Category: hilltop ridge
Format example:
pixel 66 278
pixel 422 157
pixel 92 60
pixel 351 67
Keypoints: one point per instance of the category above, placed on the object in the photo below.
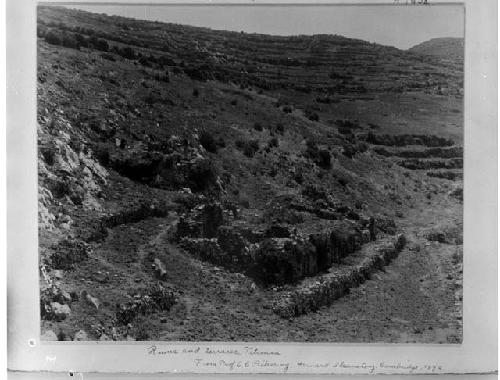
pixel 449 48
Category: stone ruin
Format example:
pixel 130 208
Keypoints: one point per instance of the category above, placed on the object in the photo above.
pixel 275 255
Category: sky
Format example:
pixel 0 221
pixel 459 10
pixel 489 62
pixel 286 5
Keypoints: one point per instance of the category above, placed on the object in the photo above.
pixel 402 26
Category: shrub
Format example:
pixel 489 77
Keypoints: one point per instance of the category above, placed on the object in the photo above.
pixel 220 142
pixel 200 73
pixel 248 147
pixel 202 175
pixel 40 31
pixel 69 40
pixel 258 126
pixel 343 181
pixel 234 102
pixel 311 148
pixel 196 92
pixel 348 150
pixel 324 159
pixel 53 38
pixel 311 115
pixel 99 44
pixel 361 147
pixel 208 142
pixel 145 61
pixel 127 52
pixel 162 76
pixel 287 109
pixel 273 143
pixel 280 128
pixel 345 130
pixel 108 57
pixel 323 99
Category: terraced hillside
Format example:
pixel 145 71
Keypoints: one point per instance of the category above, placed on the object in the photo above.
pixel 210 185
pixel 450 49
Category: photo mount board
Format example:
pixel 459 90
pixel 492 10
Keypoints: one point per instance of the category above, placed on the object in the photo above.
pixel 476 354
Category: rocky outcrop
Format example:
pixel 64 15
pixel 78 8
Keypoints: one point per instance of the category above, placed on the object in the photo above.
pixel 68 172
pixel 313 293
pixel 183 168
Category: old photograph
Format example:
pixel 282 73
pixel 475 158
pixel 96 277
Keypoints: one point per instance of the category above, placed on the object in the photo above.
pixel 250 173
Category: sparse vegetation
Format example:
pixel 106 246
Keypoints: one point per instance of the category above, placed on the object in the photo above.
pixel 208 142
pixel 248 147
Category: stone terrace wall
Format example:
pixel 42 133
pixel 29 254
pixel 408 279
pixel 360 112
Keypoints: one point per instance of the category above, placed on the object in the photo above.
pixel 311 295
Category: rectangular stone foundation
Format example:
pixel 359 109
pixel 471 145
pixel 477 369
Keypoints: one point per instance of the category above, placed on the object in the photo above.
pixel 314 293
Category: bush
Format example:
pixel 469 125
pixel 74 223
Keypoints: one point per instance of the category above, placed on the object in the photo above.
pixel 311 115
pixel 202 175
pixel 343 181
pixel 200 73
pixel 323 99
pixel 127 52
pixel 280 128
pixel 108 57
pixel 53 38
pixel 258 126
pixel 69 40
pixel 220 142
pixel 162 76
pixel 196 92
pixel 234 102
pixel 273 143
pixel 287 109
pixel 348 150
pixel 324 159
pixel 99 44
pixel 320 157
pixel 361 147
pixel 208 142
pixel 248 147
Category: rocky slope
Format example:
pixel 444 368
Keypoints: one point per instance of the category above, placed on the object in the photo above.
pixel 209 185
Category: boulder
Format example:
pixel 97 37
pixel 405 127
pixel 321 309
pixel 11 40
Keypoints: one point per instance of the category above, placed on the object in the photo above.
pixel 93 301
pixel 60 312
pixel 49 336
pixel 81 336
pixel 159 269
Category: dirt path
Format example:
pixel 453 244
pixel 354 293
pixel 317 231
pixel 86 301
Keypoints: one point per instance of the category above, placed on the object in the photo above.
pixel 413 300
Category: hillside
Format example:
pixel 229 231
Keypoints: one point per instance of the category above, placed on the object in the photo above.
pixel 209 185
pixel 448 48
